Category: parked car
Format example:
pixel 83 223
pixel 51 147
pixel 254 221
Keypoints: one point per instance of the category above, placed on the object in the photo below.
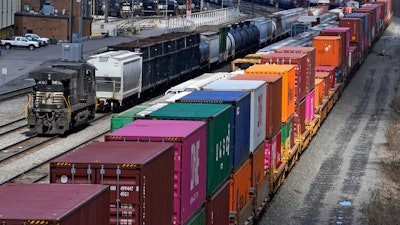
pixel 19 42
pixel 43 41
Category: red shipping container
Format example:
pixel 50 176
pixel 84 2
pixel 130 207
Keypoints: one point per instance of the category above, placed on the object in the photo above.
pixel 54 204
pixel 274 145
pixel 190 141
pixel 273 100
pixel 135 172
pixel 355 25
pixel 298 59
pixel 240 183
pixel 257 166
pixel 325 77
pixel 332 74
pixel 217 206
pixel 299 119
pixel 311 57
pixel 343 32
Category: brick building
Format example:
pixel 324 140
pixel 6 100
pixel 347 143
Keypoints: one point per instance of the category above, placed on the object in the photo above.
pixel 53 18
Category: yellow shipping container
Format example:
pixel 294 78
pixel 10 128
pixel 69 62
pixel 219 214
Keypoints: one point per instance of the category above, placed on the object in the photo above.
pixel 287 72
pixel 328 50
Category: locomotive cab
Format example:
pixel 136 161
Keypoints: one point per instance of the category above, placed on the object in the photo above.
pixel 64 97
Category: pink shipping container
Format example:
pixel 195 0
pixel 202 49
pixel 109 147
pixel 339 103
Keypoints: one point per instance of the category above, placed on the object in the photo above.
pixel 189 138
pixel 332 74
pixel 310 110
pixel 135 172
pixel 274 146
pixel 311 57
pixel 217 206
pixel 54 204
pixel 299 119
pixel 298 59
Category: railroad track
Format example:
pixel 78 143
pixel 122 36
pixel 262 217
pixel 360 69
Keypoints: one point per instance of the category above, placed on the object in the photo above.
pixel 12 126
pixel 16 93
pixel 36 169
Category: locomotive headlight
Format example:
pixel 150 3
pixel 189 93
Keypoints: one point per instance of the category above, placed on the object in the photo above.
pixel 58 106
pixel 36 104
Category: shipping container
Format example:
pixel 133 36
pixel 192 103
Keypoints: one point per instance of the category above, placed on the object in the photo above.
pixel 328 50
pixel 257 105
pixel 273 101
pixel 297 59
pixel 311 57
pixel 240 102
pixel 217 206
pixel 126 117
pixel 318 93
pixel 198 218
pixel 288 83
pixel 287 137
pixel 134 171
pixel 325 76
pixel 54 204
pixel 218 118
pixel 355 25
pixel 299 119
pixel 240 183
pixel 257 166
pixel 274 145
pixel 190 145
pixel 344 33
pixel 332 74
pixel 310 109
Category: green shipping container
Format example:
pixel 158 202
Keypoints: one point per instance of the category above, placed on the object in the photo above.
pixel 218 118
pixel 198 218
pixel 127 116
pixel 286 133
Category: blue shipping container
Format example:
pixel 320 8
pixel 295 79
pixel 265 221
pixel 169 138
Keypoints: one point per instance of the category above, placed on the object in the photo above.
pixel 240 101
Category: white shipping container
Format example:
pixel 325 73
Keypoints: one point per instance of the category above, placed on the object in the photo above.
pixel 258 104
pixel 118 75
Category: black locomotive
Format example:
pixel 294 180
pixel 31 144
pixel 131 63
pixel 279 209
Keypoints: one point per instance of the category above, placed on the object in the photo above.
pixel 63 98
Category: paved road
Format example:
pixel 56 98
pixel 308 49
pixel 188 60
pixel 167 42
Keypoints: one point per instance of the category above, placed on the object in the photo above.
pixel 15 64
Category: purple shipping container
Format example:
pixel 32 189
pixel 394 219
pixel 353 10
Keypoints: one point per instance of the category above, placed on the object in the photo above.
pixel 310 111
pixel 135 172
pixel 54 204
pixel 217 207
pixel 190 157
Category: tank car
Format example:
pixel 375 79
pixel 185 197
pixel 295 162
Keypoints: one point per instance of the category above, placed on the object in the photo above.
pixel 64 97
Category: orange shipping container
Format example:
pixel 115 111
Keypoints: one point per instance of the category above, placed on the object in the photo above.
pixel 257 166
pixel 240 183
pixel 288 79
pixel 319 92
pixel 328 50
pixel 325 76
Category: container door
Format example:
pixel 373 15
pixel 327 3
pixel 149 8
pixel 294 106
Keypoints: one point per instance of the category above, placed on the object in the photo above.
pixel 66 173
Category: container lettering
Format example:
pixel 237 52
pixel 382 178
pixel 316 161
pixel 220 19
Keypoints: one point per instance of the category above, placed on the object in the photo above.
pixel 223 146
pixel 195 162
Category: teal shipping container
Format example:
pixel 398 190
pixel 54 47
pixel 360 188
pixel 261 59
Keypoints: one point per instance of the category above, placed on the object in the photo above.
pixel 218 118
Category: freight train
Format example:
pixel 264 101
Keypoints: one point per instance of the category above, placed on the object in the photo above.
pixel 214 155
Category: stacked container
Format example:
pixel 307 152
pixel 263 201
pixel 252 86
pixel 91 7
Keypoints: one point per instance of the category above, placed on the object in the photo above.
pixel 190 144
pixel 356 30
pixel 217 206
pixel 240 102
pixel 297 59
pixel 324 76
pixel 332 74
pixel 54 204
pixel 134 171
pixel 318 94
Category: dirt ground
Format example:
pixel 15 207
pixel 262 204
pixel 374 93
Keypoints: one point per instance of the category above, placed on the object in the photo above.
pixel 349 173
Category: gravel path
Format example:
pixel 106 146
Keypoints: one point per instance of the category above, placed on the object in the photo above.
pixel 334 177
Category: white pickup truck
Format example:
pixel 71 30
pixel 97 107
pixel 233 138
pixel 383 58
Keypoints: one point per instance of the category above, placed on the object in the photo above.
pixel 20 42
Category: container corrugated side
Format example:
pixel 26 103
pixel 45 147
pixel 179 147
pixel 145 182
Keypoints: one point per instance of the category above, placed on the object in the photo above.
pixel 311 57
pixel 217 206
pixel 135 172
pixel 332 74
pixel 198 218
pixel 240 183
pixel 310 109
pixel 219 132
pixel 54 204
pixel 318 93
pixel 343 32
pixel 287 130
pixel 325 76
pixel 274 146
pixel 299 119
pixel 328 50
pixel 298 59
pixel 257 166
pixel 240 101
pixel 257 104
pixel 288 83
pixel 273 100
pixel 355 25
pixel 190 157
